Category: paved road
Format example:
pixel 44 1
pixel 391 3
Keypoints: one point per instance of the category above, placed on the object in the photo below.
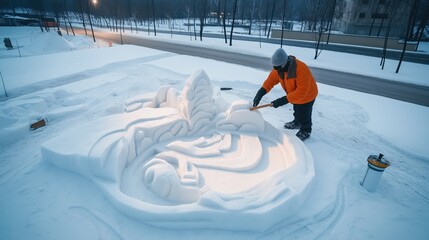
pixel 409 56
pixel 391 89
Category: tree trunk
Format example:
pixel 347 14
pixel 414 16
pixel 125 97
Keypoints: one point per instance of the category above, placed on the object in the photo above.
pixel 148 17
pixel 320 32
pixel 65 24
pixel 373 19
pixel 242 12
pixel 70 25
pixel 218 14
pixel 233 19
pixel 65 16
pixel 423 23
pixel 224 21
pixel 90 21
pixel 331 20
pixel 266 18
pixel 131 15
pixel 272 15
pixel 251 17
pixel 57 18
pixel 408 33
pixel 383 57
pixel 154 20
pixel 195 17
pixel 83 17
pixel 422 29
pixel 107 23
pixel 203 19
pixel 116 16
pixel 283 22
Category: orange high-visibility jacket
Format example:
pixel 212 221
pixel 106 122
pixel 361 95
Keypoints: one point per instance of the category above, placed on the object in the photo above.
pixel 298 83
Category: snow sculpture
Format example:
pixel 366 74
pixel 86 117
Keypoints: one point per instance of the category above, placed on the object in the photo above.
pixel 190 160
pixel 180 183
pixel 239 118
pixel 197 105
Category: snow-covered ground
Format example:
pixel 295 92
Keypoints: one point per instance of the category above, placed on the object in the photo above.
pixel 87 94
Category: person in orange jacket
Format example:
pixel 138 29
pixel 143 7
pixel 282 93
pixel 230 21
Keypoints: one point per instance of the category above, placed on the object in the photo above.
pixel 301 90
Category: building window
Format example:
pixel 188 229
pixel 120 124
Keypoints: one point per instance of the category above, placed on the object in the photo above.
pixel 361 15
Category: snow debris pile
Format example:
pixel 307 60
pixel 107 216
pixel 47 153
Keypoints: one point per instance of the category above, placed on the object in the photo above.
pixel 17 114
pixel 190 160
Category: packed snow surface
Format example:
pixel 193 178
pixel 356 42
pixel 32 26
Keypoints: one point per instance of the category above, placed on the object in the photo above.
pixel 125 138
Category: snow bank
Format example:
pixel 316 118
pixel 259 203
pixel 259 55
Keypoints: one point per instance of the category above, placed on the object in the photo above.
pixel 32 41
pixel 189 161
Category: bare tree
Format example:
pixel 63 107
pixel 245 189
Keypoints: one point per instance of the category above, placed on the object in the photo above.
pixel 272 16
pixel 131 15
pixel 188 16
pixel 233 20
pixel 154 19
pixel 321 8
pixel 148 18
pixel 386 37
pixel 224 20
pixel 413 11
pixel 202 18
pixel 89 16
pixel 333 4
pixel 312 13
pixel 266 17
pixel 373 18
pixel 39 10
pixel 251 17
pixel 66 13
pixel 83 16
pixel 384 16
pixel 218 11
pixel 57 9
pixel 195 17
pixel 301 14
pixel 423 22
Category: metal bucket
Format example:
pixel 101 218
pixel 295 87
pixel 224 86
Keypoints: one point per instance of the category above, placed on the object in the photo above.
pixel 376 167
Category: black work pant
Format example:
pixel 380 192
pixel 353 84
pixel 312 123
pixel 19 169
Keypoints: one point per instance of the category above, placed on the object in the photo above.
pixel 302 114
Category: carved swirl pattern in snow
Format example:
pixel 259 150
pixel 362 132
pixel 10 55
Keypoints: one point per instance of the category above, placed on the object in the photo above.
pixel 190 160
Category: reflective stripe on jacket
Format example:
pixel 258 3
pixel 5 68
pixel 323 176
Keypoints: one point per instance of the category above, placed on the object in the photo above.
pixel 298 82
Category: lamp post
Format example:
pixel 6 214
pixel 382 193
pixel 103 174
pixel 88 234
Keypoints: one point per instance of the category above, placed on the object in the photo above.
pixel 89 16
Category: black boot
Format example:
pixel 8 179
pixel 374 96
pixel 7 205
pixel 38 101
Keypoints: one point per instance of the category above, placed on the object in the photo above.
pixel 292 125
pixel 303 135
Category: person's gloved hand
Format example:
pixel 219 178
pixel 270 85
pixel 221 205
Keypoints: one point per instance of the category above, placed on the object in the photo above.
pixel 280 102
pixel 259 96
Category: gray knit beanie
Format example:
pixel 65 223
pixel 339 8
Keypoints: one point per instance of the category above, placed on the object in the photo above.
pixel 279 57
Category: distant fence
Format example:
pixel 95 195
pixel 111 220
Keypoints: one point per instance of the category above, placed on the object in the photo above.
pixel 369 41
